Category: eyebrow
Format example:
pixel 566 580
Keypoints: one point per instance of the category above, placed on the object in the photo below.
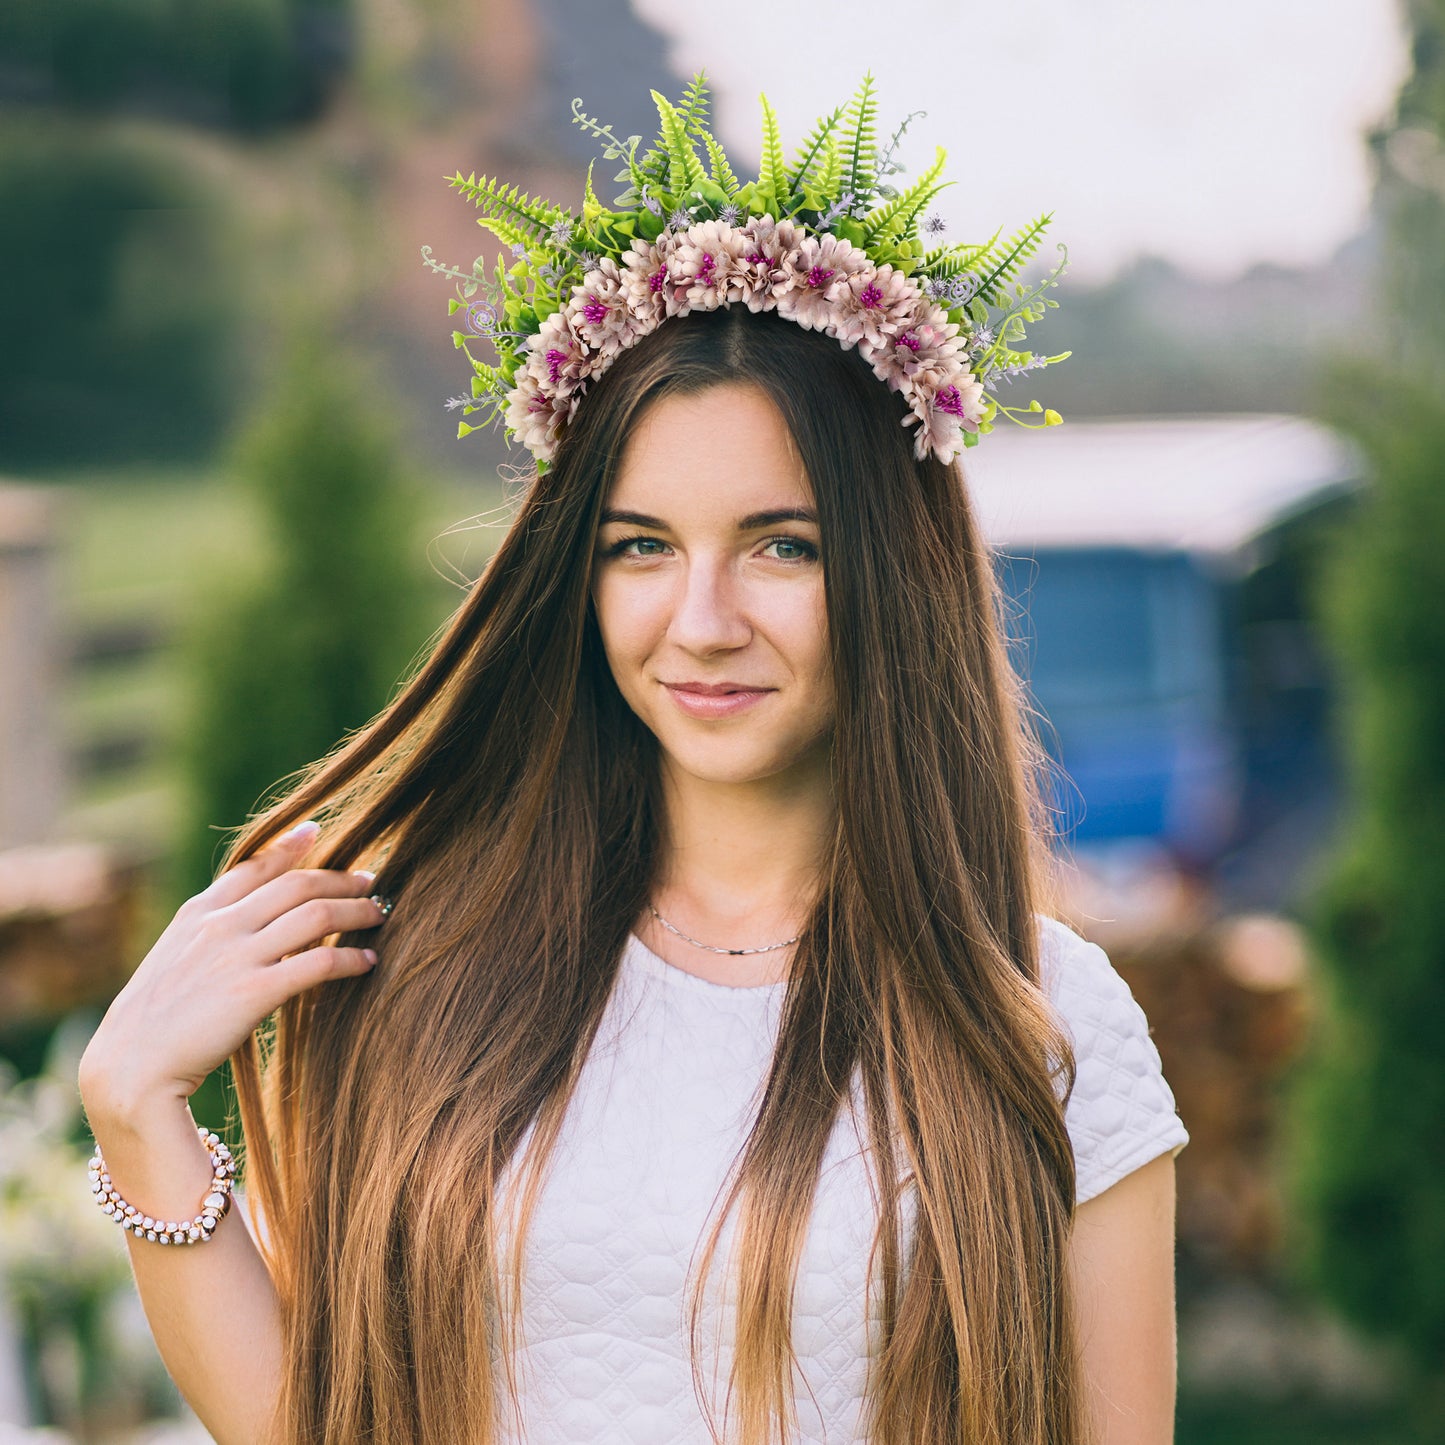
pixel 751 523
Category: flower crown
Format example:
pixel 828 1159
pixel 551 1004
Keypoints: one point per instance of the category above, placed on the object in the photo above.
pixel 824 240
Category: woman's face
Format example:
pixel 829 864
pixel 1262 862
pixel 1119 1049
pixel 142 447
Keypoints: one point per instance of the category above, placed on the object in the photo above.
pixel 708 588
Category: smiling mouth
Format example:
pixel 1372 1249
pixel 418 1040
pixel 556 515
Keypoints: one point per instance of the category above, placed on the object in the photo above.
pixel 716 700
pixel 713 689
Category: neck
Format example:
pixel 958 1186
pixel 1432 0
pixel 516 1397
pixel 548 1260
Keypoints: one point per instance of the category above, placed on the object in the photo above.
pixel 741 862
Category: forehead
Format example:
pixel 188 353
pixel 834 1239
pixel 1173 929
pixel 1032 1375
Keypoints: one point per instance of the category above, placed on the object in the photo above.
pixel 727 448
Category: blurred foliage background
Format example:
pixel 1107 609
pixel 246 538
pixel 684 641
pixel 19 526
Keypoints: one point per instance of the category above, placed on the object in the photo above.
pixel 1368 1101
pixel 207 218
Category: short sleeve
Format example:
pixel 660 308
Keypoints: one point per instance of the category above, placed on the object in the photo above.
pixel 1121 1113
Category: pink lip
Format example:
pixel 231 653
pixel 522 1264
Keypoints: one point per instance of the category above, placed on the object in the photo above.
pixel 714 699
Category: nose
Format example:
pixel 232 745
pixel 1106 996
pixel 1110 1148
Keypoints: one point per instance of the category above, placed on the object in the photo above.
pixel 707 614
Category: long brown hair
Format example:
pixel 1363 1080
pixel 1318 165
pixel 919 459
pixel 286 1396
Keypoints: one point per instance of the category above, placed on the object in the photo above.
pixel 510 800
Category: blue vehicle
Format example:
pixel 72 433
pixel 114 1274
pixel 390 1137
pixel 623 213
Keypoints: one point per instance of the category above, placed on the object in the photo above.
pixel 1131 554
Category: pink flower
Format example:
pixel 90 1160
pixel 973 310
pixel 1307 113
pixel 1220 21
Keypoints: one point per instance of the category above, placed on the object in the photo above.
pixel 558 358
pixel 820 282
pixel 924 342
pixel 964 399
pixel 706 270
pixel 818 273
pixel 874 305
pixel 536 416
pixel 646 280
pixel 769 249
pixel 599 314
pixel 942 415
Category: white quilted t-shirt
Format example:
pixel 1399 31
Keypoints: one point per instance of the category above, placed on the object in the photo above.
pixel 666 1098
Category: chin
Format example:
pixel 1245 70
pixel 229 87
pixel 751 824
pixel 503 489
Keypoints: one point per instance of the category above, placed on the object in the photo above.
pixel 711 771
pixel 733 761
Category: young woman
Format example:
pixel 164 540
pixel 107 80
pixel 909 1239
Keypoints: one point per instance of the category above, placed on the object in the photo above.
pixel 720 1071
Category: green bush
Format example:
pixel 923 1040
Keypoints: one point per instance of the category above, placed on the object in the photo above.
pixel 284 661
pixel 116 305
pixel 1367 1174
pixel 248 65
pixel 1366 1170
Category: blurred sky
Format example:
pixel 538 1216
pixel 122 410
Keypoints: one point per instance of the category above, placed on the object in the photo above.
pixel 1215 135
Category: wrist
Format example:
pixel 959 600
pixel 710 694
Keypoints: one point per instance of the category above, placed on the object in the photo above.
pixel 126 1098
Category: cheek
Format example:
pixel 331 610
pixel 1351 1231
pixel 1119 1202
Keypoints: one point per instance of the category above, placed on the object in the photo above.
pixel 628 619
pixel 802 631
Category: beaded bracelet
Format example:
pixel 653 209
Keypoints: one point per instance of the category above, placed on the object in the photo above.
pixel 194 1231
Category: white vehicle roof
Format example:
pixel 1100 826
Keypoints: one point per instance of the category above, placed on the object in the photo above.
pixel 1204 484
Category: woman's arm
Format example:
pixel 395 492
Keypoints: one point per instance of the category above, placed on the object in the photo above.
pixel 1121 1262
pixel 212 1307
pixel 229 959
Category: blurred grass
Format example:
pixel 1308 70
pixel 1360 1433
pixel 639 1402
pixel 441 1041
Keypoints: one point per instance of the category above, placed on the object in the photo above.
pixel 140 547
pixel 137 547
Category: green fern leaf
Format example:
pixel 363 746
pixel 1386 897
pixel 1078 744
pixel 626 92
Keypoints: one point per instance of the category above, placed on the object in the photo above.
pixel 951 259
pixel 1003 269
pixel 946 262
pixel 881 220
pixel 830 175
pixel 525 217
pixel 772 176
pixel 860 143
pixel 722 172
pixel 683 168
pixel 647 177
pixel 505 231
pixel 591 206
pixel 902 225
pixel 692 109
pixel 811 149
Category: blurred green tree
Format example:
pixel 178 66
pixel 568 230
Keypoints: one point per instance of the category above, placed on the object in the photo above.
pixel 1366 1171
pixel 309 644
pixel 122 269
pixel 245 65
pixel 114 297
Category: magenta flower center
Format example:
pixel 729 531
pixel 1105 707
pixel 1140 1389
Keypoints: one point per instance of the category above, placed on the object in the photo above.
pixel 909 339
pixel 656 281
pixel 950 400
pixel 819 275
pixel 556 360
pixel 705 272
pixel 756 258
pixel 595 311
pixel 871 296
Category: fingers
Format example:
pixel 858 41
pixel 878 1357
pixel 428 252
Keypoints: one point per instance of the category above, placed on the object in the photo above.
pixel 314 966
pixel 296 886
pixel 312 920
pixel 268 907
pixel 269 862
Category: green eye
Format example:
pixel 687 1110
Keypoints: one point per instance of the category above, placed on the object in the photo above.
pixel 805 550
pixel 619 547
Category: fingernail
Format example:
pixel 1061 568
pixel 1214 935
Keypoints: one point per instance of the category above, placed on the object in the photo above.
pixel 382 903
pixel 369 954
pixel 309 829
pixel 365 874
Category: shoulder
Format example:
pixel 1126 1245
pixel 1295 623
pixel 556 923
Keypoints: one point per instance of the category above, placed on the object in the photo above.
pixel 1121 1113
pixel 1075 972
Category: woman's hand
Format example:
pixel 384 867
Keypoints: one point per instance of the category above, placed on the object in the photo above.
pixel 229 958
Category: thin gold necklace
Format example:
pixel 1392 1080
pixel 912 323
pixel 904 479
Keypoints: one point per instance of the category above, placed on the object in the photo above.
pixel 731 952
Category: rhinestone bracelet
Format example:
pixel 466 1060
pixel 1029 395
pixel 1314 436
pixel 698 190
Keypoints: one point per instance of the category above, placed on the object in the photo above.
pixel 169 1231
